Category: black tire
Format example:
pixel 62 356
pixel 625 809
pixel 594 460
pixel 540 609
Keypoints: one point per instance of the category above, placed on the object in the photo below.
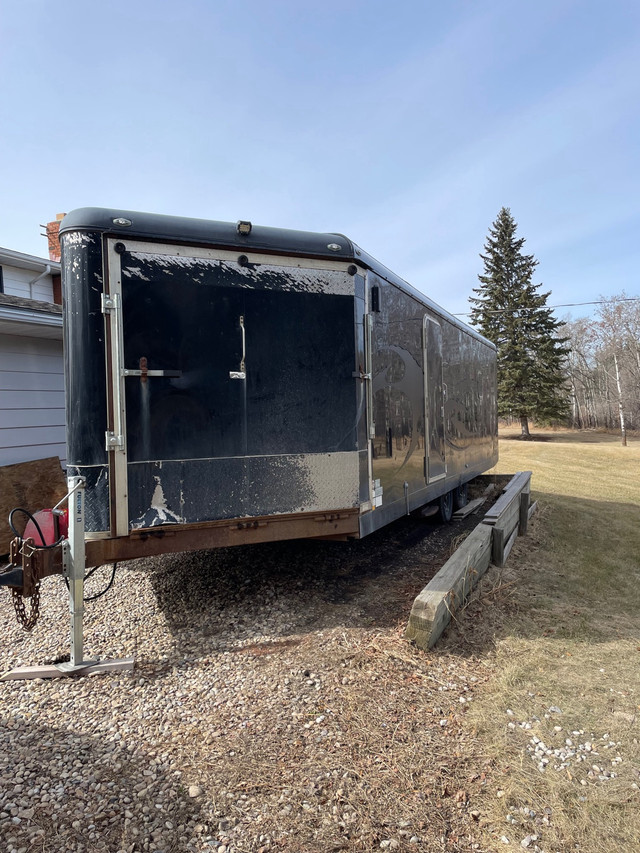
pixel 445 504
pixel 460 496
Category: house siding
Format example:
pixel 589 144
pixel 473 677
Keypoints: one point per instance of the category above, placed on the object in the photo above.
pixel 32 405
pixel 17 283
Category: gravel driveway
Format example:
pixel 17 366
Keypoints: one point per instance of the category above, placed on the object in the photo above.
pixel 274 706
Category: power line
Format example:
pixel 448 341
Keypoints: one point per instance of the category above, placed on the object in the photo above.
pixel 551 307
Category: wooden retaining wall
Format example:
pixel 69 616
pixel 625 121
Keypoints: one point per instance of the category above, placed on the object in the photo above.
pixel 490 542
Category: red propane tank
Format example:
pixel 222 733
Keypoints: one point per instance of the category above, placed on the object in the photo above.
pixel 53 526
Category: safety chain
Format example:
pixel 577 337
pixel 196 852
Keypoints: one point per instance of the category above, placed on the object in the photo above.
pixel 27 622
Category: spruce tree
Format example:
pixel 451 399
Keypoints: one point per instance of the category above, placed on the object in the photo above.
pixel 510 312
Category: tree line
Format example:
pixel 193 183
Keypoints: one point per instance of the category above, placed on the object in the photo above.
pixel 584 373
pixel 603 366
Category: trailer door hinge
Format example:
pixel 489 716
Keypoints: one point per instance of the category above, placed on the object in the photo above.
pixel 109 303
pixel 113 441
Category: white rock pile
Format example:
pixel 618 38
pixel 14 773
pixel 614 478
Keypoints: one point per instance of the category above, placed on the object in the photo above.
pixel 572 749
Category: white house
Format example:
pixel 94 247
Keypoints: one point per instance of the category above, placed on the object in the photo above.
pixel 32 410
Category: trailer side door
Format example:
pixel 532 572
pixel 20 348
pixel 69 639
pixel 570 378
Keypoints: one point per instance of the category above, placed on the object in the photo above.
pixel 435 463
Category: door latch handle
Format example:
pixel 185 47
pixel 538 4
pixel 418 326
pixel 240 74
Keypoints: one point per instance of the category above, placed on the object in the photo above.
pixel 144 371
pixel 242 373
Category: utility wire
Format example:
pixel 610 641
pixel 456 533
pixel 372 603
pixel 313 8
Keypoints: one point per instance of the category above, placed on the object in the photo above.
pixel 563 305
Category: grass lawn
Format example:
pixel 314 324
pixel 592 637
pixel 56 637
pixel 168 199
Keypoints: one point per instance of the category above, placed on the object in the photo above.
pixel 560 717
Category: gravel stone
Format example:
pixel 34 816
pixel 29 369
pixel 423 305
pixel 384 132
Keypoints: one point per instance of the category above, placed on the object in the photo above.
pixel 234 718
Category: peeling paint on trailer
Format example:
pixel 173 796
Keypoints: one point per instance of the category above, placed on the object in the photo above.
pixel 264 276
pixel 158 512
pixel 194 491
pixel 78 238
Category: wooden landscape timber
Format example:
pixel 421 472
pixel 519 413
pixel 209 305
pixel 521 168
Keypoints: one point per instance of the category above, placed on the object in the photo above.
pixel 472 506
pixel 434 606
pixel 490 542
pixel 509 516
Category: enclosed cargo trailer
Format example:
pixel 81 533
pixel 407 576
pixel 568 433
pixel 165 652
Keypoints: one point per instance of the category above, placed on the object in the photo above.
pixel 231 383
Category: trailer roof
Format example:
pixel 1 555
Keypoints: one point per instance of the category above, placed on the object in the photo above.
pixel 205 232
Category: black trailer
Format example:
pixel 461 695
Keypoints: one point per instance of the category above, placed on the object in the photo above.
pixel 243 376
pixel 229 383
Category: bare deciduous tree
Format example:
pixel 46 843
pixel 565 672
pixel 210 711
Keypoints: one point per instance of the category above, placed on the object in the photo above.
pixel 604 366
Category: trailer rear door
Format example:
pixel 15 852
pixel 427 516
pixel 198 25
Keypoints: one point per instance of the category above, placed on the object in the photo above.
pixel 223 374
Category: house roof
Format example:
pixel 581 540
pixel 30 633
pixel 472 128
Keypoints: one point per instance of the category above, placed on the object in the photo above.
pixel 30 304
pixel 28 262
pixel 30 317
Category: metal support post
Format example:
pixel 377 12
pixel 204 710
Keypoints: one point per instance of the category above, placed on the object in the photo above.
pixel 77 567
pixel 75 564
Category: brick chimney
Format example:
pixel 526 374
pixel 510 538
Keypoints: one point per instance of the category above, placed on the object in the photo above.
pixel 52 237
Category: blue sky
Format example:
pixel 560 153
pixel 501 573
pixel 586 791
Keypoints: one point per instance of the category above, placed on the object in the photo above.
pixel 404 125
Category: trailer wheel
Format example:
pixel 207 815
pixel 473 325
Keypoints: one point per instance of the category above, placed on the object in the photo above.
pixel 445 505
pixel 461 496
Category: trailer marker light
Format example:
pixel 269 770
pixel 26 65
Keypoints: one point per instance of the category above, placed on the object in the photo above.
pixel 243 227
pixel 120 220
pixel 334 247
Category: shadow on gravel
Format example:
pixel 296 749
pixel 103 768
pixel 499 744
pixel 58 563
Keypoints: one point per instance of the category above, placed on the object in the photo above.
pixel 70 790
pixel 281 588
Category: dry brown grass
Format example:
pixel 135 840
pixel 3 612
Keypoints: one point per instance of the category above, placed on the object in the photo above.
pixel 383 756
pixel 397 754
pixel 375 741
pixel 567 638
